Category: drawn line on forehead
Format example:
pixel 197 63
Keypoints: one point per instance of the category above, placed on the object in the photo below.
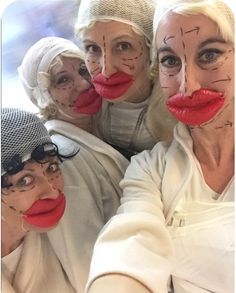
pixel 167 39
pixel 195 29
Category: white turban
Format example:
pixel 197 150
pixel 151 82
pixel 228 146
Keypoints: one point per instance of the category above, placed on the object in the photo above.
pixel 37 61
pixel 137 13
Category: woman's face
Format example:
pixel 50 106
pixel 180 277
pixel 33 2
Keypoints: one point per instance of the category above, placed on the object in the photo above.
pixel 34 199
pixel 71 89
pixel 196 67
pixel 118 61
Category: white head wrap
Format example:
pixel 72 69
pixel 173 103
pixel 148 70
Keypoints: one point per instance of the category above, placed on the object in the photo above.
pixel 217 10
pixel 37 62
pixel 137 13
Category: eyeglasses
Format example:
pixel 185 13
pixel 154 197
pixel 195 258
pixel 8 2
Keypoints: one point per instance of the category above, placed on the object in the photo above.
pixel 40 154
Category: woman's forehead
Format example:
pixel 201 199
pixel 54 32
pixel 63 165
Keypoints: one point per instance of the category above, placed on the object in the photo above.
pixel 175 25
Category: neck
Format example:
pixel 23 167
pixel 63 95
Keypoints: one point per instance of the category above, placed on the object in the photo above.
pixel 213 145
pixel 214 149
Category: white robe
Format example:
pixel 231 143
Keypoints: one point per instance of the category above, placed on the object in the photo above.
pixel 138 241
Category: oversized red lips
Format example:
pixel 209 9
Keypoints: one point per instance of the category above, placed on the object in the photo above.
pixel 196 109
pixel 113 87
pixel 88 102
pixel 45 213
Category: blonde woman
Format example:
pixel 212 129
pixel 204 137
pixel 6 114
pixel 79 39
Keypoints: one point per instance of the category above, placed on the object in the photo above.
pixel 116 41
pixel 174 230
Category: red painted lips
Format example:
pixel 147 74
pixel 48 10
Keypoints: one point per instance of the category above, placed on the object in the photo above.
pixel 45 213
pixel 196 109
pixel 89 102
pixel 113 87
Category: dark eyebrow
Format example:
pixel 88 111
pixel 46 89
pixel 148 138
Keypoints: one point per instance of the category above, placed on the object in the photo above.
pixel 165 49
pixel 212 40
pixel 204 43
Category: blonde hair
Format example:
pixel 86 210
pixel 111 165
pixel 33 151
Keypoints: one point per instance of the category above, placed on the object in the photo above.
pixel 216 10
pixel 158 118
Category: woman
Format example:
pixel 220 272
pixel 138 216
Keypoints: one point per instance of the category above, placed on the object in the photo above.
pixel 116 40
pixel 92 177
pixel 56 80
pixel 33 202
pixel 174 230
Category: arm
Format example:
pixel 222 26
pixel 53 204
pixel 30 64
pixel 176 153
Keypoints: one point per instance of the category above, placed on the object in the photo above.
pixel 135 242
pixel 118 283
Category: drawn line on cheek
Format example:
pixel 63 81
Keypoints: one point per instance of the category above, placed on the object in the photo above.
pixel 167 74
pixel 217 116
pixel 227 123
pixel 222 80
pixel 12 208
pixel 3 201
pixel 136 57
pixel 94 71
pixel 24 190
pixel 131 67
pixel 181 31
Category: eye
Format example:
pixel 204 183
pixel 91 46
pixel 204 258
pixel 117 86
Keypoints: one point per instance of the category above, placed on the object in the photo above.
pixel 209 56
pixel 170 61
pixel 25 181
pixel 53 167
pixel 62 79
pixel 123 46
pixel 94 49
pixel 83 70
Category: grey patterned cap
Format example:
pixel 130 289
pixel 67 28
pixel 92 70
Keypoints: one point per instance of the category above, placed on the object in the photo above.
pixel 21 133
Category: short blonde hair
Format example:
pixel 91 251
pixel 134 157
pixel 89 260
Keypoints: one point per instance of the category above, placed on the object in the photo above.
pixel 216 10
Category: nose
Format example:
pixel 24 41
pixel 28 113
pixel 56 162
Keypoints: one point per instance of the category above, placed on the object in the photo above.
pixel 108 64
pixel 81 83
pixel 189 79
pixel 49 188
